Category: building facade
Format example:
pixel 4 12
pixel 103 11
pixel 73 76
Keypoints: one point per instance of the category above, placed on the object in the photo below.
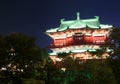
pixel 78 37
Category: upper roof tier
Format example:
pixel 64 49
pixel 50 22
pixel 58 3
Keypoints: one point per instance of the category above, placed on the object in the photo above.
pixel 80 23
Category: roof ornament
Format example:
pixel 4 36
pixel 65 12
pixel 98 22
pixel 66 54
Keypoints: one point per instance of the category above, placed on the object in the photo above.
pixel 62 20
pixel 78 16
pixel 99 27
pixel 87 26
pixel 97 17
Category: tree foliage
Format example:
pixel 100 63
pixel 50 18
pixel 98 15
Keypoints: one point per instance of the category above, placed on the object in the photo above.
pixel 21 58
pixel 115 36
pixel 100 72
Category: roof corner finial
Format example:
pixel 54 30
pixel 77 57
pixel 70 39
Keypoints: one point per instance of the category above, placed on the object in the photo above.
pixel 97 17
pixel 78 16
pixel 62 20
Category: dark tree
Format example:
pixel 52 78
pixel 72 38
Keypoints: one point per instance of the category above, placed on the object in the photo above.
pixel 20 58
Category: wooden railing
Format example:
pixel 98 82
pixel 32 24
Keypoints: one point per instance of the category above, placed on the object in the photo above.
pixel 83 43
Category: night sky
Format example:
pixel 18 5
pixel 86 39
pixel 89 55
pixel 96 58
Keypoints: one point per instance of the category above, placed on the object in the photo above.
pixel 34 17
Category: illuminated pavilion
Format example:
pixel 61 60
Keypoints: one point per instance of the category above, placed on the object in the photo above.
pixel 79 37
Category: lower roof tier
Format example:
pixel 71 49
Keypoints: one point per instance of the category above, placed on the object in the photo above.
pixel 77 48
pixel 82 56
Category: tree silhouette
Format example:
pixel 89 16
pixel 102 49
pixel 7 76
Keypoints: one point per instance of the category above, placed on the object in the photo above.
pixel 21 58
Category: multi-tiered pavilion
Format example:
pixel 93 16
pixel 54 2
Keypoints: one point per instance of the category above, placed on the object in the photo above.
pixel 78 37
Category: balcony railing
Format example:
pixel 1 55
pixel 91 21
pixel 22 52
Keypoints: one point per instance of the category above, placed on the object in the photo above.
pixel 82 43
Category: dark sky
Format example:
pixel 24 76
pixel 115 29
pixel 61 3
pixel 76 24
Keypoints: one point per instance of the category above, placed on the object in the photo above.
pixel 34 17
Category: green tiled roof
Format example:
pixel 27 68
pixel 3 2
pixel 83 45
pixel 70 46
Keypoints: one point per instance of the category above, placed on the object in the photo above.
pixel 79 23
